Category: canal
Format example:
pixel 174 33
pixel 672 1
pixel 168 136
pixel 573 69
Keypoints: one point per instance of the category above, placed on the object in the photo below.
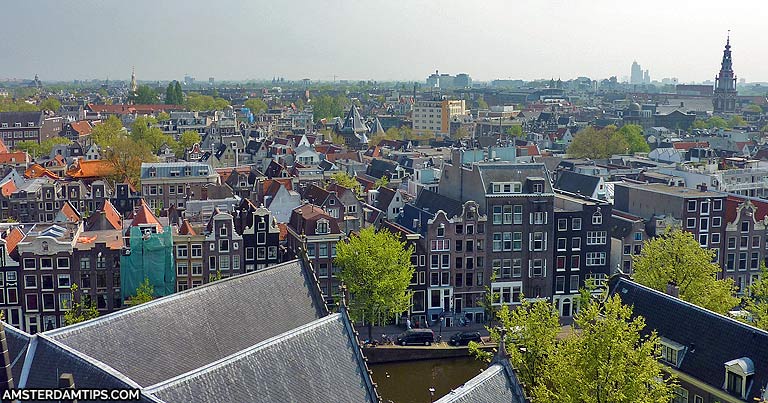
pixel 409 382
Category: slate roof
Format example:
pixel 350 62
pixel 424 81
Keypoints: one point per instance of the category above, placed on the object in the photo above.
pixel 379 168
pixel 304 220
pixel 18 341
pixel 318 362
pixel 710 339
pixel 353 122
pixel 11 118
pixel 170 336
pixel 163 169
pixel 577 183
pixel 491 386
pixel 432 202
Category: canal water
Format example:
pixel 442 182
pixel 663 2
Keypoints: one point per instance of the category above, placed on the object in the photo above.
pixel 409 382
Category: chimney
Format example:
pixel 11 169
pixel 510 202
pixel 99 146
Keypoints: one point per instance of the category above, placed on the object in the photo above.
pixel 6 376
pixel 673 289
pixel 67 381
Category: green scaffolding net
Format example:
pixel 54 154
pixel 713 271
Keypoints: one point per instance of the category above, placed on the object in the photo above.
pixel 150 256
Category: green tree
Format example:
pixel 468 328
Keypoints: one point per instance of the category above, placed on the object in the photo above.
pixel 170 94
pixel 764 129
pixel 144 95
pixel 46 146
pixel 104 133
pixel 756 303
pixel 187 139
pixel 328 107
pixel 198 102
pixel 381 182
pixel 754 108
pixel 515 131
pixel 716 122
pixel 163 117
pixel 700 124
pixel 50 104
pixel 595 144
pixel 256 105
pixel 31 147
pixel 144 130
pixel 127 155
pixel 8 104
pixel 144 293
pixel 481 104
pixel 376 268
pixel 736 120
pixel 633 135
pixel 677 258
pixel 608 360
pixel 214 276
pixel 344 179
pixel 78 311
pixel 178 94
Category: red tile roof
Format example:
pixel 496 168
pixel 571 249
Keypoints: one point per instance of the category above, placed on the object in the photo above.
pixel 3 148
pixel 82 127
pixel 112 215
pixel 141 109
pixel 91 169
pixel 186 228
pixel 7 188
pixel 15 235
pixel 38 171
pixel 687 145
pixel 69 212
pixel 732 203
pixel 144 216
pixel 14 157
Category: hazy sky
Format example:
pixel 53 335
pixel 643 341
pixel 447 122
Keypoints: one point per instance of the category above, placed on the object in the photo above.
pixel 382 40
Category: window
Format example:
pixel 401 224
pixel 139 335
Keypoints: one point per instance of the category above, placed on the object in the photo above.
pixel 224 263
pixel 441 230
pixel 30 281
pixel 181 251
pixel 597 218
pixel 518 214
pixel 249 253
pixel 506 293
pixel 182 269
pixel 733 383
pixel 743 261
pixel 754 260
pixel 715 237
pixel 680 395
pixel 730 262
pixel 29 264
pixel 62 263
pixel 690 223
pixel 538 218
pixel 560 284
pixel 596 237
pixel 703 238
pixel 538 241
pixel 507 214
pixel 562 224
pixel 223 245
pixel 576 244
pixel 322 227
pixel 272 252
pixel 323 248
pixel 517 241
pixel 717 205
pixel 497 241
pixel 670 352
pixel 197 250
pixel 756 241
pixel 537 268
pixel 561 243
pixel 716 221
pixel 440 245
pixel 745 226
pixel 497 214
pixel 446 261
pixel 705 207
pixel 574 283
pixel 261 238
pixel 576 224
pixel 575 262
pixel 261 252
pixel 46 282
pixel 64 281
pixel 731 243
pixel 595 258
pixel 691 205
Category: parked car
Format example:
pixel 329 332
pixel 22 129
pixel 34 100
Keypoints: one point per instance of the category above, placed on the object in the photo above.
pixel 463 338
pixel 416 336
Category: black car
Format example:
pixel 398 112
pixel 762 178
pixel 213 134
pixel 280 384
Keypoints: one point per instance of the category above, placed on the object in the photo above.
pixel 463 338
pixel 416 336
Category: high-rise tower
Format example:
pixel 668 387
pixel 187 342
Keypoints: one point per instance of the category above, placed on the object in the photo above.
pixel 724 100
pixel 636 74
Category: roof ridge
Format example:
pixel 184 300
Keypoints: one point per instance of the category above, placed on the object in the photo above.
pixel 244 352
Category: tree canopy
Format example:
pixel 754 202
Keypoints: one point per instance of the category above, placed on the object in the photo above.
pixel 50 104
pixel 173 94
pixel 606 360
pixel 44 148
pixel 199 102
pixel 328 107
pixel 736 120
pixel 376 268
pixel 187 139
pixel 144 293
pixel 144 130
pixel 144 95
pixel 79 311
pixel 105 132
pixel 256 105
pixel 677 258
pixel 594 143
pixel 344 179
pixel 515 131
pixel 633 135
pixel 8 104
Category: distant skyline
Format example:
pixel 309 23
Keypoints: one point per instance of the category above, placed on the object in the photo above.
pixel 384 40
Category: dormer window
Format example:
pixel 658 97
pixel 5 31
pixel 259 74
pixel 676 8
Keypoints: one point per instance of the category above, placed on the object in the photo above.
pixel 322 227
pixel 152 172
pixel 188 171
pixel 223 230
pixel 30 124
pixel 671 352
pixel 738 376
pixel 507 187
pixel 17 124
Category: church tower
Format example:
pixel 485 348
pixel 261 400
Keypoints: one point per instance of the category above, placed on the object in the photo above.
pixel 724 100
pixel 134 87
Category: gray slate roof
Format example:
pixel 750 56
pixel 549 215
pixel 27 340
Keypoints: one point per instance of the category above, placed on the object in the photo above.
pixel 170 336
pixel 577 183
pixel 163 169
pixel 318 362
pixel 491 386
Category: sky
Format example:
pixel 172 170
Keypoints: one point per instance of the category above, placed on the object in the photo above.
pixel 379 40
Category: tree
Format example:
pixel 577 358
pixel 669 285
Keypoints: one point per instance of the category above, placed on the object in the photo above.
pixel 343 179
pixel 515 131
pixel 214 276
pixel 127 155
pixel 256 105
pixel 736 120
pixel 764 129
pixel 163 117
pixel 756 303
pixel 144 95
pixel 376 268
pixel 104 133
pixel 144 293
pixel 198 102
pixel 31 147
pixel 481 104
pixel 381 182
pixel 144 130
pixel 328 107
pixel 633 135
pixel 178 94
pixel 50 104
pixel 170 94
pixel 46 146
pixel 754 108
pixel 700 124
pixel 187 139
pixel 595 144
pixel 8 104
pixel 677 258
pixel 79 311
pixel 716 122
pixel 609 360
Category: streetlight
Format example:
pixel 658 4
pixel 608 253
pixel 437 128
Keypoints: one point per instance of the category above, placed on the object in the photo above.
pixel 431 394
pixel 442 319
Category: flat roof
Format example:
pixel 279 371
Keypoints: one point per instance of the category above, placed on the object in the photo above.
pixel 672 190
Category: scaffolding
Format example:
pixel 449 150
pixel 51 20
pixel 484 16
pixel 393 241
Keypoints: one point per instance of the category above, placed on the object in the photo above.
pixel 148 256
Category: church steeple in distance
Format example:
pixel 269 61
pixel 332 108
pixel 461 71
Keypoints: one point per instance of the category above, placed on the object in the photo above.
pixel 725 83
